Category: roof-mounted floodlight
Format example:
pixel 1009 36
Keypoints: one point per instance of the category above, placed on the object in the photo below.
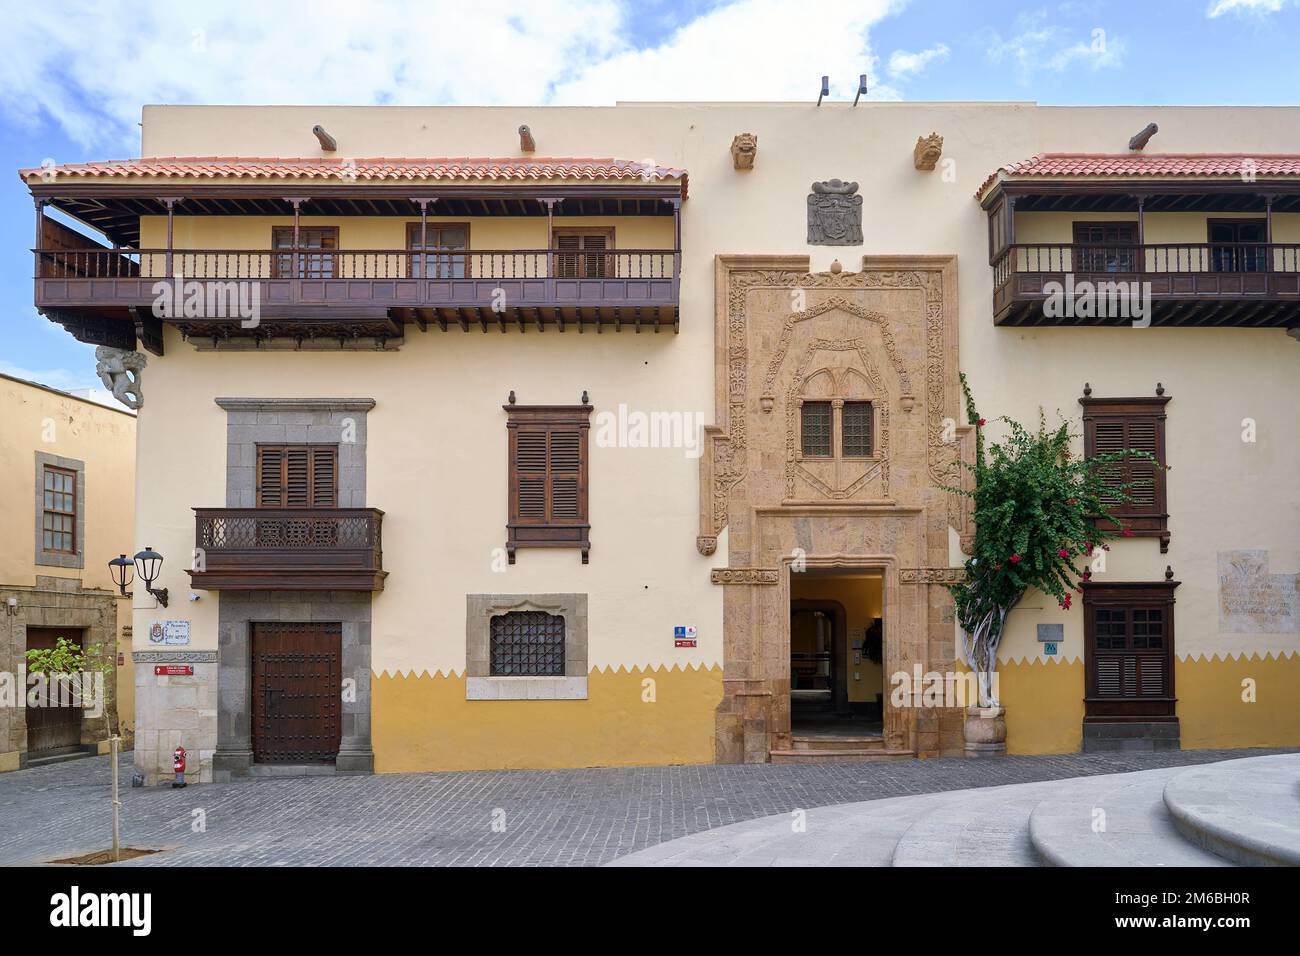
pixel 862 88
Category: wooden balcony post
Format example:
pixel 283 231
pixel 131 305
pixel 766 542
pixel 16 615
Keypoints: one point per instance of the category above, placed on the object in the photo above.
pixel 1142 235
pixel 1268 233
pixel 677 236
pixel 550 235
pixel 296 202
pixel 40 235
pixel 170 202
pixel 424 236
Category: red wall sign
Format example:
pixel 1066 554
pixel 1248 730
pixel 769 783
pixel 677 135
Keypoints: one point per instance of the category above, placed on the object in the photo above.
pixel 173 670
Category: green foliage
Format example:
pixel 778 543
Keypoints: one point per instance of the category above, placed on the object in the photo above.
pixel 68 657
pixel 1035 511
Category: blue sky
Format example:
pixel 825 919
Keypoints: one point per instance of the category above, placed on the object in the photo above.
pixel 74 74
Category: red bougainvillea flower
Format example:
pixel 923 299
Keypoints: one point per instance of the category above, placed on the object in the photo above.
pixel 1087 546
pixel 997 567
pixel 1127 532
pixel 1065 602
pixel 1105 547
pixel 1015 559
pixel 1063 553
pixel 981 423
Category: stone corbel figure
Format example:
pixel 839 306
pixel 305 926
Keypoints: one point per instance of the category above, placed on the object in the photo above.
pixel 119 370
pixel 744 150
pixel 927 151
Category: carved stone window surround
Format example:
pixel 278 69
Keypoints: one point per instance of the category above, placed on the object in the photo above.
pixel 481 685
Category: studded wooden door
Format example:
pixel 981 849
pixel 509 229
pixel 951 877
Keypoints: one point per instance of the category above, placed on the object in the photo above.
pixel 297 690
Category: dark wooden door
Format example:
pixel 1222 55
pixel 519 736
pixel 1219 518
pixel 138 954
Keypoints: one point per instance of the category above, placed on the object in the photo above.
pixel 297 691
pixel 53 720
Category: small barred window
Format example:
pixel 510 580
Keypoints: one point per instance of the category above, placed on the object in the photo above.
pixel 527 644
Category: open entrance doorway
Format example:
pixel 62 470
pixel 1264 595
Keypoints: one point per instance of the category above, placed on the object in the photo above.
pixel 837 686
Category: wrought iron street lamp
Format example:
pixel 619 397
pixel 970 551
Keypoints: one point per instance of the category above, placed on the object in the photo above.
pixel 148 565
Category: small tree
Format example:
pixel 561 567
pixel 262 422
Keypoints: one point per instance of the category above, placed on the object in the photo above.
pixel 68 662
pixel 1036 511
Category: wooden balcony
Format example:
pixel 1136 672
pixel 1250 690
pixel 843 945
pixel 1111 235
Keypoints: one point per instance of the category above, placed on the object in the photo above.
pixel 1191 284
pixel 375 293
pixel 291 549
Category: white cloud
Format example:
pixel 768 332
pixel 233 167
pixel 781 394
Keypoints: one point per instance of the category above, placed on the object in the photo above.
pixel 903 65
pixel 63 379
pixel 88 68
pixel 749 50
pixel 1219 7
pixel 1040 45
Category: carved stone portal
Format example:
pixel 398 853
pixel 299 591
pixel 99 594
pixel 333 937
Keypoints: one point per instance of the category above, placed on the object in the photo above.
pixel 887 335
pixel 834 214
pixel 927 152
pixel 744 150
pixel 119 370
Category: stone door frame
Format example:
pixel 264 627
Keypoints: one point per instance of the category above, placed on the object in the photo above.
pixel 904 532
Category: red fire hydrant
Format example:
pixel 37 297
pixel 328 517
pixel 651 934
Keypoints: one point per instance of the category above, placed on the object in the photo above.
pixel 178 766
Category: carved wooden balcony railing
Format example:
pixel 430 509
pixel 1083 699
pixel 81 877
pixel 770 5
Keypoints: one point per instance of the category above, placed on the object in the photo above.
pixel 327 282
pixel 1208 284
pixel 292 549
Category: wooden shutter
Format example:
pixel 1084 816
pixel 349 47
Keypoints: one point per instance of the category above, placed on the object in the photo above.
pixel 582 254
pixel 548 477
pixel 297 476
pixel 1137 424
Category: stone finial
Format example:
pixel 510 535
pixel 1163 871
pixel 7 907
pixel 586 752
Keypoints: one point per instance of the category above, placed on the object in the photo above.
pixel 927 151
pixel 1160 388
pixel 1087 390
pixel 511 397
pixel 744 150
pixel 119 370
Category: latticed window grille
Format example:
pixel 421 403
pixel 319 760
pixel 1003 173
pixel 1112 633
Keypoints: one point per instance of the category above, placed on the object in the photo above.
pixel 857 429
pixel 527 644
pixel 815 429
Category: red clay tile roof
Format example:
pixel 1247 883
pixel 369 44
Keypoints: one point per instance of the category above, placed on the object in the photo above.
pixel 372 170
pixel 1128 165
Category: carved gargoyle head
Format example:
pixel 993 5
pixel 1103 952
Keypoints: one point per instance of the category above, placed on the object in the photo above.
pixel 927 151
pixel 744 150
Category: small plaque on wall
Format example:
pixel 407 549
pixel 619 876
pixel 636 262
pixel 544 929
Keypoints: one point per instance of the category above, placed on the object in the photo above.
pixel 1051 633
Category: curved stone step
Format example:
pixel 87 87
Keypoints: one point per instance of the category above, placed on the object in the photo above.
pixel 1246 811
pixel 1122 823
pixel 848 834
pixel 988 827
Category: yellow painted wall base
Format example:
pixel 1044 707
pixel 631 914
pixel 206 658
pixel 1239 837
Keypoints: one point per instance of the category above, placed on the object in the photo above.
pixel 1213 714
pixel 9 761
pixel 424 723
pixel 1044 702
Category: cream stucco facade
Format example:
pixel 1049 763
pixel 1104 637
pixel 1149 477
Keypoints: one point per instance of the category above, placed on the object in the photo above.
pixel 436 435
pixel 64 594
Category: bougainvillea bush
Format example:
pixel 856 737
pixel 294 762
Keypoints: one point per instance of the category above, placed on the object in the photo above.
pixel 1036 507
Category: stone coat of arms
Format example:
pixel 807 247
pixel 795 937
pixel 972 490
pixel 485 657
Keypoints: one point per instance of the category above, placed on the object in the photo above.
pixel 834 214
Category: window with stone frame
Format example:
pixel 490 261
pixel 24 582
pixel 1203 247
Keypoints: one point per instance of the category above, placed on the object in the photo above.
pixel 59 512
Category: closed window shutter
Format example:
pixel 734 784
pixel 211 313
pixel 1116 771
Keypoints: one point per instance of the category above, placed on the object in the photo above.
pixel 324 477
pixel 566 467
pixel 583 256
pixel 297 476
pixel 270 488
pixel 531 470
pixel 1134 434
pixel 547 484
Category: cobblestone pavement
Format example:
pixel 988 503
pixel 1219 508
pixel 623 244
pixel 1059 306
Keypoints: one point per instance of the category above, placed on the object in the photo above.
pixel 550 817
